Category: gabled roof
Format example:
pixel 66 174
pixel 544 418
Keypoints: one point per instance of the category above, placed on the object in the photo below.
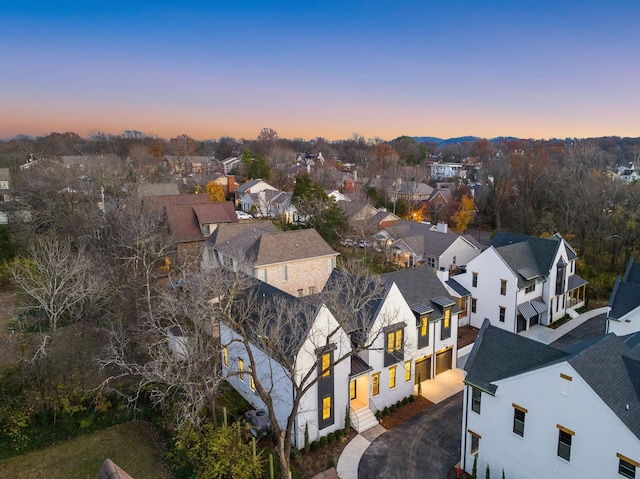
pixel 224 233
pixel 260 247
pixel 521 260
pixel 543 250
pixel 157 189
pixel 457 287
pixel 421 286
pixel 499 354
pixel 625 296
pixel 184 220
pixel 421 239
pixel 244 187
pixel 611 367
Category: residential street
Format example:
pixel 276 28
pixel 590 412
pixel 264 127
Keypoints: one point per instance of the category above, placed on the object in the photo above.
pixel 425 446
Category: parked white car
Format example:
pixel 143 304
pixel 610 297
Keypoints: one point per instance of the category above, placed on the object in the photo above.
pixel 243 216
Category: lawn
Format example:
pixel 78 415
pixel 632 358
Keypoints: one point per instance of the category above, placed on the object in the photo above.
pixel 136 447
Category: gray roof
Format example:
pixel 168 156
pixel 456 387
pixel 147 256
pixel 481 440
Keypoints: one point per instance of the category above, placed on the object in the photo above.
pixel 157 189
pixel 543 250
pixel 421 286
pixel 610 365
pixel 421 239
pixel 521 259
pixel 625 296
pixel 261 247
pixel 499 354
pixel 457 287
pixel 612 369
pixel 574 282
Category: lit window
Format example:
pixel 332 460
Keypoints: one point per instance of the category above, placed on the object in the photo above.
pixel 503 312
pixel 352 389
pixel 326 407
pixel 326 365
pixel 519 415
pixel 407 370
pixel 252 383
pixel 394 340
pixel 476 398
pixel 447 317
pixel 225 356
pixel 474 305
pixel 392 377
pixel 564 442
pixel 424 324
pixel 474 280
pixel 375 382
pixel 241 369
pixel 503 287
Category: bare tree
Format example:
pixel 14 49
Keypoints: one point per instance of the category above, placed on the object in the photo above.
pixel 58 282
pixel 275 330
pixel 173 356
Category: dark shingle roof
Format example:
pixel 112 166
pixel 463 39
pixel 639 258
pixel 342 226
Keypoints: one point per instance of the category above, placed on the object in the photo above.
pixel 543 249
pixel 612 370
pixel 420 286
pixel 499 354
pixel 625 296
pixel 457 287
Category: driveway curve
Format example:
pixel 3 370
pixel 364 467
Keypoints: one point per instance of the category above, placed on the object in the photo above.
pixel 425 446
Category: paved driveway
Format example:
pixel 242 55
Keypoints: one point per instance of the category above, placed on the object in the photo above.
pixel 426 446
pixel 591 328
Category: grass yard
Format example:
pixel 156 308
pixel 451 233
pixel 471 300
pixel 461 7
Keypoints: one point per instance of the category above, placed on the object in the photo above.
pixel 136 447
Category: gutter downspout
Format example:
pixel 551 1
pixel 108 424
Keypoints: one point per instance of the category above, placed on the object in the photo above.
pixel 466 424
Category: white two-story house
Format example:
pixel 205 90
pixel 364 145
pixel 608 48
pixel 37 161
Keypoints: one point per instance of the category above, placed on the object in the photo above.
pixel 522 280
pixel 623 316
pixel 534 411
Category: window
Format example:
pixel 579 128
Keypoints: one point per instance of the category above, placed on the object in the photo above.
pixel 206 230
pixel 503 312
pixel 474 280
pixel 326 365
pixel 407 371
pixel 519 413
pixel 392 377
pixel 300 292
pixel 431 261
pixel 503 287
pixel 445 333
pixel 225 356
pixel 312 290
pixel 474 305
pixel 252 383
pixel 561 270
pixel 283 273
pixel 241 369
pixel 627 467
pixel 475 441
pixel 423 332
pixel 394 347
pixel 564 442
pixel 352 389
pixel 375 381
pixel 262 274
pixel 330 265
pixel 454 260
pixel 476 398
pixel 326 407
pixel 531 285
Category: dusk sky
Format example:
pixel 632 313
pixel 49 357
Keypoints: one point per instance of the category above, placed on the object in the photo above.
pixel 531 69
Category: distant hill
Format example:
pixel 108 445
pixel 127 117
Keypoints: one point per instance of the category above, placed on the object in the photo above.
pixel 460 139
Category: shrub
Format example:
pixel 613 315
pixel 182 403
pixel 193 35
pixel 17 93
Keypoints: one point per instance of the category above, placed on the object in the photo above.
pixel 314 446
pixel 393 408
pixel 306 438
pixel 331 437
pixel 323 441
pixel 405 401
pixel 385 411
pixel 340 433
pixel 331 463
pixel 412 398
pixel 378 415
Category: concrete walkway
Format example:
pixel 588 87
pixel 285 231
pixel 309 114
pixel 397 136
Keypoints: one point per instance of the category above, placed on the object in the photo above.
pixel 547 335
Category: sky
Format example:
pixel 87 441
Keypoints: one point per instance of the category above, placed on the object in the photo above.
pixel 307 69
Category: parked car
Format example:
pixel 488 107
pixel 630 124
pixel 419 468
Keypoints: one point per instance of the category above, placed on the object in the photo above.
pixel 243 216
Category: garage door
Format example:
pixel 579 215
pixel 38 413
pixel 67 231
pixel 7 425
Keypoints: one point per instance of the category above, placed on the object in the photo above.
pixel 443 361
pixel 423 369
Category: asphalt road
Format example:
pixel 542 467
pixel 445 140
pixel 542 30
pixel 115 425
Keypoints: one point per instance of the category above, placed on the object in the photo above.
pixel 591 328
pixel 427 446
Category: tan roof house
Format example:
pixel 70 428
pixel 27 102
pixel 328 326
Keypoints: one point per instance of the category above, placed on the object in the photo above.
pixel 298 262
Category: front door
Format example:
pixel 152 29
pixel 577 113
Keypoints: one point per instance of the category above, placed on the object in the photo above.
pixel 423 370
pixel 534 320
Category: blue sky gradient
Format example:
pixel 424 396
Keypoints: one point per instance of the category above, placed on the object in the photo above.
pixel 533 69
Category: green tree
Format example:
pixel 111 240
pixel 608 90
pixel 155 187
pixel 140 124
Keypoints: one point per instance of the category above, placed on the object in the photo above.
pixel 257 166
pixel 220 453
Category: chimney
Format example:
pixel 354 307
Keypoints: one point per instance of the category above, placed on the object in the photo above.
pixel 442 274
pixel 231 183
pixel 355 175
pixel 443 227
